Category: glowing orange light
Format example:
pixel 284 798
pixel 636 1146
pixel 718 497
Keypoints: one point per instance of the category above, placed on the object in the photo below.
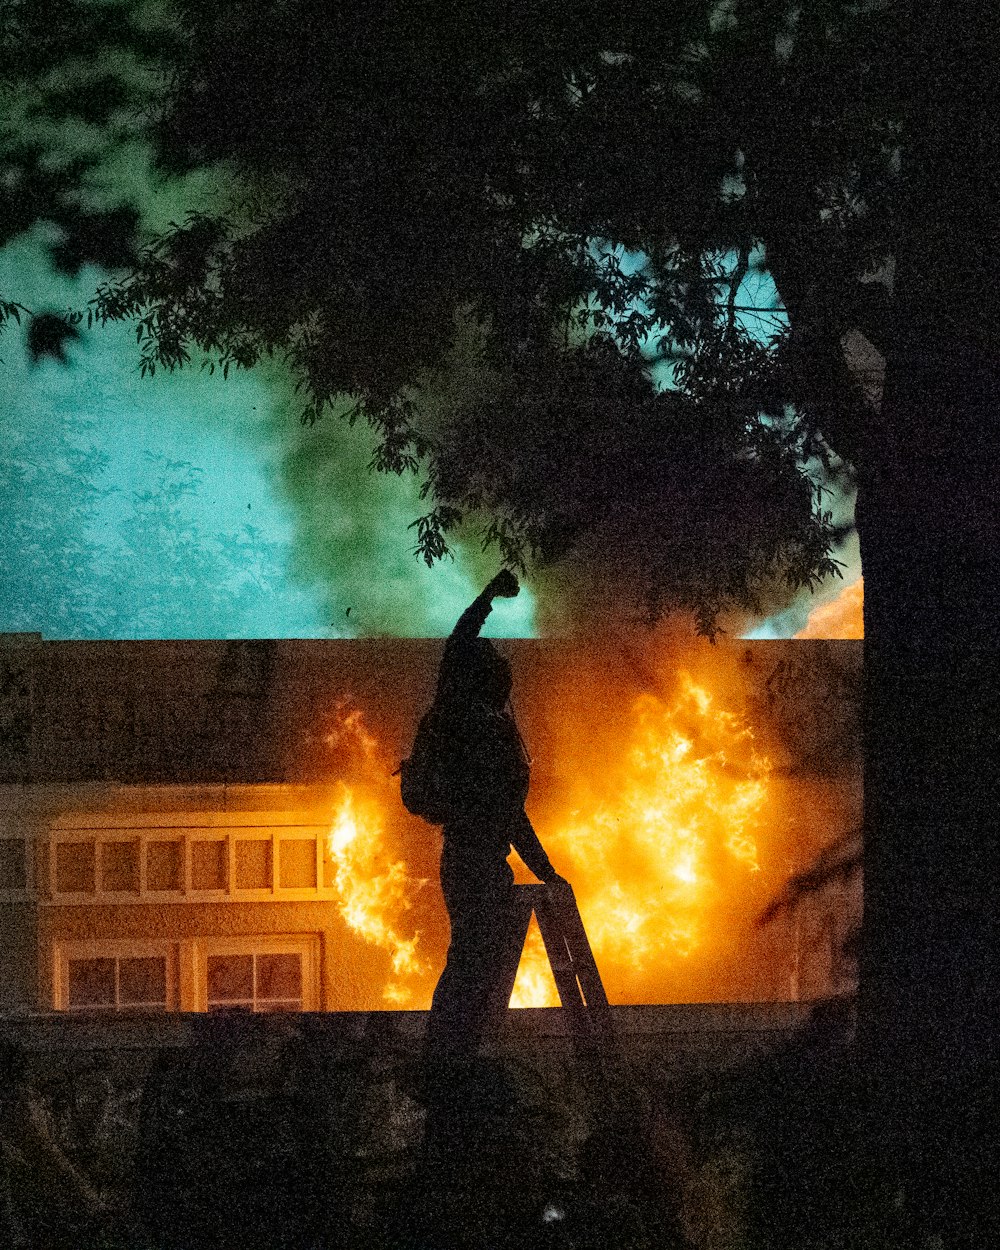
pixel 349 727
pixel 534 985
pixel 375 888
pixel 649 862
pixel 658 843
pixel 842 617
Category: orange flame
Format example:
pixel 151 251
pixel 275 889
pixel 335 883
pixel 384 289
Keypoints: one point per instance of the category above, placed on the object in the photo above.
pixel 534 985
pixel 657 845
pixel 842 617
pixel 375 888
pixel 649 863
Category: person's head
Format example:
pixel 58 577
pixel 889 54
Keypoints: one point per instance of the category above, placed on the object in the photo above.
pixel 477 672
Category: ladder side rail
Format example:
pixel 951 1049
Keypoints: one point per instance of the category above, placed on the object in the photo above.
pixel 567 913
pixel 570 992
pixel 557 951
pixel 567 948
pixel 565 904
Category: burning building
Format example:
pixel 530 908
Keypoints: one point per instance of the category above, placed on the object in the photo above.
pixel 186 826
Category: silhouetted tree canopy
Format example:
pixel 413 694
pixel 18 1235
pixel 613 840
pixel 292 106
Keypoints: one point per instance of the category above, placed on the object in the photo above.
pixel 71 73
pixel 544 202
pixel 74 77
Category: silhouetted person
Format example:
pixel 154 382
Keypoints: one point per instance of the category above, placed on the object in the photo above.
pixel 474 685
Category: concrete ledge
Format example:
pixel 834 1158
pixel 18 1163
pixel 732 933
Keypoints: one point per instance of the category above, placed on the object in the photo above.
pixel 707 1024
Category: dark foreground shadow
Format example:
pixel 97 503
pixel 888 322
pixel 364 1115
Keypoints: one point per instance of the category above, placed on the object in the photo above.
pixel 489 1174
pixel 233 1143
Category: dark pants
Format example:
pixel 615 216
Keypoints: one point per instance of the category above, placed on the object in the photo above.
pixel 478 892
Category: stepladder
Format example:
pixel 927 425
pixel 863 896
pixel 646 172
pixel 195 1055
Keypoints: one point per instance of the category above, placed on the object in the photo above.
pixel 574 969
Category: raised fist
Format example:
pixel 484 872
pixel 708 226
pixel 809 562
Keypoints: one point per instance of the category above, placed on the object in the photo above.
pixel 504 585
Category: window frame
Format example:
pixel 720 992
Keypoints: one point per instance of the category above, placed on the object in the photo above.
pixel 114 948
pixel 187 965
pixel 307 945
pixel 229 834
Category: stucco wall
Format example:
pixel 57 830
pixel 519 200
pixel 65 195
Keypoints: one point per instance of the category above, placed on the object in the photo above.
pixel 18 965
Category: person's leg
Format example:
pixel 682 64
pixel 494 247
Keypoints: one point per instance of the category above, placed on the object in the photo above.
pixel 478 896
pixel 457 1093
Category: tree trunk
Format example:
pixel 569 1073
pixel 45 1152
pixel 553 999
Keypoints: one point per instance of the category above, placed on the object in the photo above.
pixel 928 521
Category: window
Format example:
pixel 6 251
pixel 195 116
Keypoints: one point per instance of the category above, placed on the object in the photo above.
pixel 259 973
pixel 143 864
pixel 260 982
pixel 164 865
pixel 209 862
pixel 298 864
pixel 114 984
pixel 120 867
pixel 267 973
pixel 75 868
pixel 15 867
pixel 253 864
pixel 115 976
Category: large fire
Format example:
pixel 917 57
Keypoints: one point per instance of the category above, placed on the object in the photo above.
pixel 657 845
pixel 652 858
pixel 376 888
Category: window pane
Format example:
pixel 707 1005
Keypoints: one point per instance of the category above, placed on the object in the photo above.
pixel 298 864
pixel 92 983
pixel 230 978
pixel 142 981
pixel 279 977
pixel 163 866
pixel 253 864
pixel 208 865
pixel 120 867
pixel 75 868
pixel 12 864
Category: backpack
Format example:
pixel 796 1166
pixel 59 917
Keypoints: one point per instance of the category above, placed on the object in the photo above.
pixel 425 784
pixel 454 764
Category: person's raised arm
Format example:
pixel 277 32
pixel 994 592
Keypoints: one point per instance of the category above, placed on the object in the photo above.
pixel 503 586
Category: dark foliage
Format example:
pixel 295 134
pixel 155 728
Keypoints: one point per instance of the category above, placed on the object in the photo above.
pixel 407 171
pixel 233 1149
pixel 48 334
pixel 474 180
pixel 69 68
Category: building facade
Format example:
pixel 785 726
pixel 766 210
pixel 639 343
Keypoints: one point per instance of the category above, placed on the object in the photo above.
pixel 166 811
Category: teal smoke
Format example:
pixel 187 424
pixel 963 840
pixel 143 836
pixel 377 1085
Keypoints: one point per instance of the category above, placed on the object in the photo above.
pixel 190 506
